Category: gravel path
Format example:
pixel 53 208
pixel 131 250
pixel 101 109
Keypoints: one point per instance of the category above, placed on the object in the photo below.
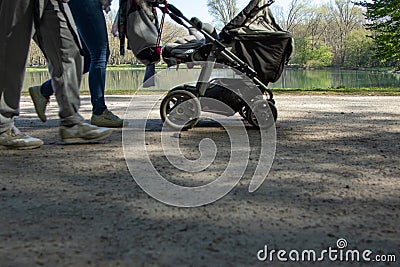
pixel 335 175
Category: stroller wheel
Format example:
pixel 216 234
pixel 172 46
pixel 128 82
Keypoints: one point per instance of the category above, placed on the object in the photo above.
pixel 274 110
pixel 260 110
pixel 180 110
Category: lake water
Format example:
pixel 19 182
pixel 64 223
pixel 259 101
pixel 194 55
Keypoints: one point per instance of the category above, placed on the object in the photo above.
pixel 336 78
pixel 132 79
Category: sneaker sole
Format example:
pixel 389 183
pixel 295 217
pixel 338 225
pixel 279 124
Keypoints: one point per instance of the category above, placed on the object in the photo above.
pixel 19 148
pixel 83 140
pixel 43 118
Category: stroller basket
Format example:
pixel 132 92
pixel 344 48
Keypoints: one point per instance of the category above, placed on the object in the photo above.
pixel 265 52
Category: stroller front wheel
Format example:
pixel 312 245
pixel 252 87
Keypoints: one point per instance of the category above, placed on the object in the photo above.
pixel 180 110
pixel 260 110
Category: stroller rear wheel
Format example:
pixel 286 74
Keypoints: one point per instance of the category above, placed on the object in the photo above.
pixel 180 110
pixel 260 110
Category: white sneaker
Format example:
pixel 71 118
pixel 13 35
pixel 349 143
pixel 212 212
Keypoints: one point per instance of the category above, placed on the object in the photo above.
pixel 14 139
pixel 83 132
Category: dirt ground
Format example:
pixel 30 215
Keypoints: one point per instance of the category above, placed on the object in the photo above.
pixel 336 174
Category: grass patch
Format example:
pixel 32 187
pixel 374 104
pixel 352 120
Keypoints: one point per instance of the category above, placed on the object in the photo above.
pixel 125 67
pixel 36 69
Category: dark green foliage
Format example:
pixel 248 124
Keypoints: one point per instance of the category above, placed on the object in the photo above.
pixel 384 21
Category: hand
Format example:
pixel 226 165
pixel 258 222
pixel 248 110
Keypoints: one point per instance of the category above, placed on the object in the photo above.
pixel 114 29
pixel 106 5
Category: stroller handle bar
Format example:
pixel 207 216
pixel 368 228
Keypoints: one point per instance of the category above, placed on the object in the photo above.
pixel 208 28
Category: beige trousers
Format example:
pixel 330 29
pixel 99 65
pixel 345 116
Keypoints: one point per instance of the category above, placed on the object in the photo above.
pixel 57 43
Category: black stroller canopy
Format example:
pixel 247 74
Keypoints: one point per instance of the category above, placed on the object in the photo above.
pixel 256 16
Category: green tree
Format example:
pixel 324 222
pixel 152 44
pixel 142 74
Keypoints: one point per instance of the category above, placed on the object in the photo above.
pixel 384 21
pixel 359 49
pixel 321 57
pixel 302 53
pixel 311 56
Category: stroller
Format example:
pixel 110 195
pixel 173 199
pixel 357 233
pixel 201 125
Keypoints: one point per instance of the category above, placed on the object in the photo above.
pixel 252 44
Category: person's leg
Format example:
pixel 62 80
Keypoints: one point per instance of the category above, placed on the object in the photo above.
pixel 41 94
pixel 148 80
pixel 16 20
pixel 90 21
pixel 91 24
pixel 65 65
pixel 46 89
pixel 86 56
pixel 64 61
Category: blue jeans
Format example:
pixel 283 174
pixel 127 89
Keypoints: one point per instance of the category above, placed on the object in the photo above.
pixel 91 24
